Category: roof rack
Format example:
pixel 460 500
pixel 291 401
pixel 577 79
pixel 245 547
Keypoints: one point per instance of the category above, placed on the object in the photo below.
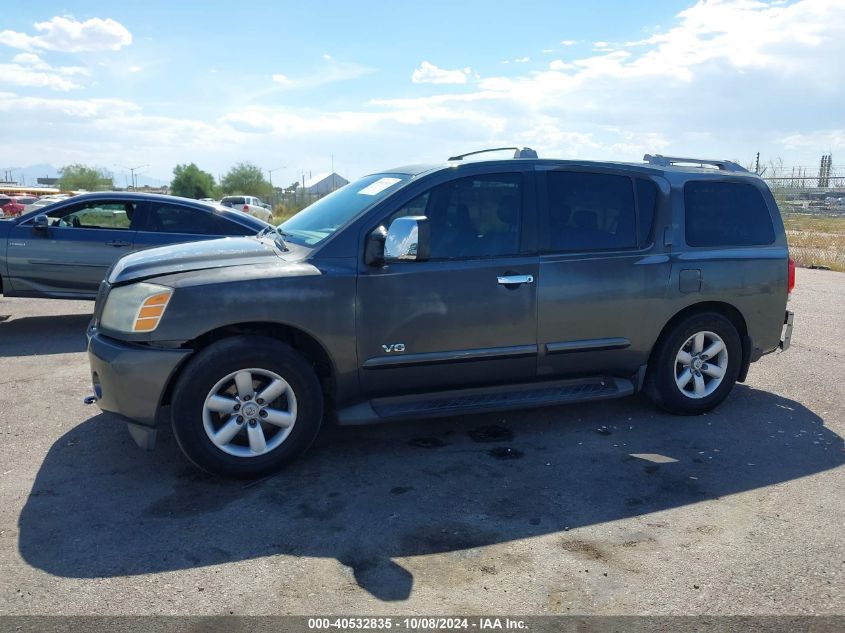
pixel 668 161
pixel 525 152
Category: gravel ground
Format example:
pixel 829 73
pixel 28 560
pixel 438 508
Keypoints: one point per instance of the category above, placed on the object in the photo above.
pixel 605 508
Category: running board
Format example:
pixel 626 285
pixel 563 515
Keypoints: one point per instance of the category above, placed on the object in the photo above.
pixel 486 399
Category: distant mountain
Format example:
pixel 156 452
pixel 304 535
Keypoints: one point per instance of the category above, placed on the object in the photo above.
pixel 29 176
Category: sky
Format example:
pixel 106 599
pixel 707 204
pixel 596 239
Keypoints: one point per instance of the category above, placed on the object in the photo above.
pixel 364 86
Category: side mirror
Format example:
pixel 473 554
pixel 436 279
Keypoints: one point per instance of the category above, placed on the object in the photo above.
pixel 374 248
pixel 40 222
pixel 408 239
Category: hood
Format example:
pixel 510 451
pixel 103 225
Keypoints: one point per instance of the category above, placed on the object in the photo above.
pixel 180 258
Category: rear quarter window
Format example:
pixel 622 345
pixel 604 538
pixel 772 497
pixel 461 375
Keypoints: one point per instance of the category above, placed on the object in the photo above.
pixel 726 214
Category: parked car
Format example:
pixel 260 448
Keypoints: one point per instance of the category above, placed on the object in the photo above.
pixel 248 204
pixel 15 205
pixel 44 201
pixel 448 289
pixel 63 251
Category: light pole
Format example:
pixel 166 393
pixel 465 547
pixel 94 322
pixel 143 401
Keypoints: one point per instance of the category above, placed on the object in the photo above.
pixel 133 170
pixel 270 173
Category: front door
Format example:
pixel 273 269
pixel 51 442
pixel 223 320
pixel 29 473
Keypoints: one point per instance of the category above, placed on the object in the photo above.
pixel 71 256
pixel 467 316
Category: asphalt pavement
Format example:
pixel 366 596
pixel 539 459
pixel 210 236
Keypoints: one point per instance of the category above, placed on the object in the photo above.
pixel 601 508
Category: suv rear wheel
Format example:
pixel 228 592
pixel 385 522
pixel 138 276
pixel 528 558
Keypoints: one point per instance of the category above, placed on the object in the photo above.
pixel 695 364
pixel 246 407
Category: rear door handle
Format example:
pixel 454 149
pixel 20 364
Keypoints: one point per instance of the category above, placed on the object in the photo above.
pixel 515 280
pixel 117 243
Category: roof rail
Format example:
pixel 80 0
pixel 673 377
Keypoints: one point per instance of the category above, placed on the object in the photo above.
pixel 668 161
pixel 525 152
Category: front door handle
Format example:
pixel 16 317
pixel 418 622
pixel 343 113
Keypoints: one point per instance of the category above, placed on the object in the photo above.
pixel 117 243
pixel 515 280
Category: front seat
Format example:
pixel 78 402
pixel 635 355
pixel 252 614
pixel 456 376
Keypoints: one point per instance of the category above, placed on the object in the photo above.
pixel 505 242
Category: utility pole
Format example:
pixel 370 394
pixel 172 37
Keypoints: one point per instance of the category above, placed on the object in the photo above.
pixel 270 173
pixel 133 170
pixel 757 165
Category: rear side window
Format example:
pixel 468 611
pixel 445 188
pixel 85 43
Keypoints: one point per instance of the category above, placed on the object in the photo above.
pixel 169 218
pixel 590 212
pixel 726 214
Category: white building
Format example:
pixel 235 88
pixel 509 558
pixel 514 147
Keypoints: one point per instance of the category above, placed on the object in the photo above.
pixel 325 183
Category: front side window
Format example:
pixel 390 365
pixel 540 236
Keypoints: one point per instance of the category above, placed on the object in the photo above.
pixel 174 218
pixel 591 211
pixel 478 216
pixel 726 214
pixel 94 215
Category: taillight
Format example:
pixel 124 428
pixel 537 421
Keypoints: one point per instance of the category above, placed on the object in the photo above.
pixel 246 208
pixel 790 283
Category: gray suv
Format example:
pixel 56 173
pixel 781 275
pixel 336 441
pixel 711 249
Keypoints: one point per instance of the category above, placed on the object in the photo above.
pixel 436 290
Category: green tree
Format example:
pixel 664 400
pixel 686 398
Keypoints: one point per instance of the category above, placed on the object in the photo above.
pixel 192 182
pixel 77 177
pixel 246 179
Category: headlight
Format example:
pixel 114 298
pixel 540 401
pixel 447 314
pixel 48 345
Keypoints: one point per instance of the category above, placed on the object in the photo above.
pixel 135 308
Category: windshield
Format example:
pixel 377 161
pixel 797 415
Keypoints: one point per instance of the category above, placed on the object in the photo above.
pixel 318 221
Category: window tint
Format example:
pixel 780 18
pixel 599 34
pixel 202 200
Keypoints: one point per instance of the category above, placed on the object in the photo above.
pixel 726 214
pixel 589 212
pixel 646 203
pixel 172 218
pixel 471 217
pixel 229 227
pixel 94 215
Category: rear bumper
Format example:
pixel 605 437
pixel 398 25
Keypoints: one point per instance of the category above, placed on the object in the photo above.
pixel 129 380
pixel 786 337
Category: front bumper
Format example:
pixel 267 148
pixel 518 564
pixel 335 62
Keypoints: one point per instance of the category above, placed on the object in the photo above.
pixel 786 338
pixel 129 380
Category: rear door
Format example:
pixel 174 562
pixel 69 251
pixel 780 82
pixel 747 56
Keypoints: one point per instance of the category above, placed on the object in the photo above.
pixel 71 256
pixel 602 278
pixel 453 320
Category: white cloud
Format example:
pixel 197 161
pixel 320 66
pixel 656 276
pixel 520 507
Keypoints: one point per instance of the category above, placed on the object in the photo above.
pixel 28 77
pixel 568 42
pixel 65 34
pixel 823 140
pixel 725 78
pixel 28 70
pixel 135 69
pixel 428 73
pixel 32 60
pixel 559 64
pixel 72 108
pixel 281 79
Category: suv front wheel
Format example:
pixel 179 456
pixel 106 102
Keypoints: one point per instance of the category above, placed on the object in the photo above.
pixel 246 406
pixel 695 364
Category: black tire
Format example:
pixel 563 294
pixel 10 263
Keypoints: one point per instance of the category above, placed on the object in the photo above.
pixel 660 383
pixel 232 355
